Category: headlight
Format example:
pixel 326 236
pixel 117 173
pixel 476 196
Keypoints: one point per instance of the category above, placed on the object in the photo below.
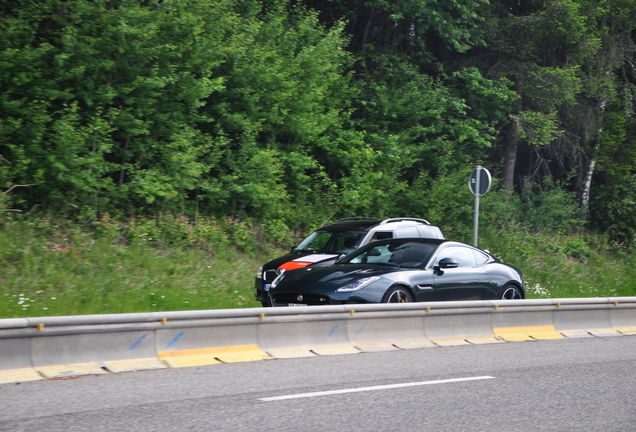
pixel 259 273
pixel 279 278
pixel 357 285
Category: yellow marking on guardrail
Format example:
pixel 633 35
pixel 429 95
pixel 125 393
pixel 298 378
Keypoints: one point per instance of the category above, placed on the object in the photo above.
pixel 71 369
pixel 603 331
pixel 133 364
pixel 291 352
pixel 575 333
pixel 527 333
pixel 483 339
pixel 626 330
pixel 413 343
pixel 40 327
pixel 375 346
pixel 212 355
pixel 334 349
pixel 164 321
pixel 19 375
pixel 450 341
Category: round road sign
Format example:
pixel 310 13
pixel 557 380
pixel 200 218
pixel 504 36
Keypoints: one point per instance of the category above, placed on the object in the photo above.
pixel 479 181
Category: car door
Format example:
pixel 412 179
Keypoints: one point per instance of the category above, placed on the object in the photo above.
pixel 468 281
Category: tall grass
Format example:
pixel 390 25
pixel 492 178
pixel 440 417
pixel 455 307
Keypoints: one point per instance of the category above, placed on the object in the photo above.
pixel 563 266
pixel 50 268
pixel 47 269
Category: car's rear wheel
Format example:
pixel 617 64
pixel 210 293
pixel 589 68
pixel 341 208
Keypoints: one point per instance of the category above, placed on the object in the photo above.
pixel 397 295
pixel 511 292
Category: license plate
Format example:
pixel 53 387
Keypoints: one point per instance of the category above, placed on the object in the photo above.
pixel 296 304
pixel 266 287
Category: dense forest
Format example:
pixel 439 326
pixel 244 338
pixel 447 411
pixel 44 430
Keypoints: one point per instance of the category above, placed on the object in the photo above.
pixel 284 114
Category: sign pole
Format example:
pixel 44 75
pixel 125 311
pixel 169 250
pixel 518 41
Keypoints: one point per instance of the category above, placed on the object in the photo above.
pixel 477 194
pixel 479 183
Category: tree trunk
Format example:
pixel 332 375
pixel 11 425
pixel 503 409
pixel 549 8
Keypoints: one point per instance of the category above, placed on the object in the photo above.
pixel 510 154
pixel 585 196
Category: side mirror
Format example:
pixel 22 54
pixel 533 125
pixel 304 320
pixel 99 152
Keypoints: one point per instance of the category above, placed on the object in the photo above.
pixel 446 263
pixel 374 252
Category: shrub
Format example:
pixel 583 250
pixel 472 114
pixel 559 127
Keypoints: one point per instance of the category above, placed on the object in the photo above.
pixel 613 210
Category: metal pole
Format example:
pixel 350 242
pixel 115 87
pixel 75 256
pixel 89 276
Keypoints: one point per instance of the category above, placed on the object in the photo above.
pixel 477 192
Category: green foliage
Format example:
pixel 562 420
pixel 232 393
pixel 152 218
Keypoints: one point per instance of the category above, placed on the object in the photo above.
pixel 613 210
pixel 233 121
pixel 561 266
pixel 50 270
pixel 545 208
pixel 539 129
pixel 445 201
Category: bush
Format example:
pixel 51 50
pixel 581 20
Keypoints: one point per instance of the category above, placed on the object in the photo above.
pixel 546 207
pixel 613 210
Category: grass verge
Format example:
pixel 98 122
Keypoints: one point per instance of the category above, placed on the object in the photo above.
pixel 49 269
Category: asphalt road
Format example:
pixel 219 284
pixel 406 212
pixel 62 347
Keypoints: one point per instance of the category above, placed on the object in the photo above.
pixel 578 385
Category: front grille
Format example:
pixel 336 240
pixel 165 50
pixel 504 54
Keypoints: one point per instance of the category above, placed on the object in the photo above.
pixel 284 299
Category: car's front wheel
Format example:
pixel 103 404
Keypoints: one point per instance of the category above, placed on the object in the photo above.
pixel 397 295
pixel 511 292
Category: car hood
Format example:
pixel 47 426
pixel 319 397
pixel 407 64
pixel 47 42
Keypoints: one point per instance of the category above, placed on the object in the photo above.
pixel 313 279
pixel 294 260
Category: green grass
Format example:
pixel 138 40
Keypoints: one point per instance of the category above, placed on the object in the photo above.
pixel 66 274
pixel 560 266
pixel 52 270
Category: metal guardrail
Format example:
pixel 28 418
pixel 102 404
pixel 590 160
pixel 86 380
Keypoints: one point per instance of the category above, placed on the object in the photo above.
pixel 49 347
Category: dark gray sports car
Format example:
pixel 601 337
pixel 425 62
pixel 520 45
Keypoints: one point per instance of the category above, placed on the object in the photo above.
pixel 400 271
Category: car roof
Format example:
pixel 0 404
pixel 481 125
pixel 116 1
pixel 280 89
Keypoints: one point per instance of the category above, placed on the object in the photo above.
pixel 416 239
pixel 365 223
pixel 435 241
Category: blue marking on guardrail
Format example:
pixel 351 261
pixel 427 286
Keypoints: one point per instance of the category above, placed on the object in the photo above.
pixel 174 341
pixel 333 330
pixel 136 344
pixel 363 326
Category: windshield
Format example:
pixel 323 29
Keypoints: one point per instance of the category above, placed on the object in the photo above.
pixel 331 242
pixel 396 253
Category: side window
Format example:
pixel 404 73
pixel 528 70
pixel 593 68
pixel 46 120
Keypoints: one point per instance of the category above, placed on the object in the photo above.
pixel 379 235
pixel 463 255
pixel 407 232
pixel 480 258
pixel 427 232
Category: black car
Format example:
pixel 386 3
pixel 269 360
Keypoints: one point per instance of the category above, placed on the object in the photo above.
pixel 400 271
pixel 325 245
